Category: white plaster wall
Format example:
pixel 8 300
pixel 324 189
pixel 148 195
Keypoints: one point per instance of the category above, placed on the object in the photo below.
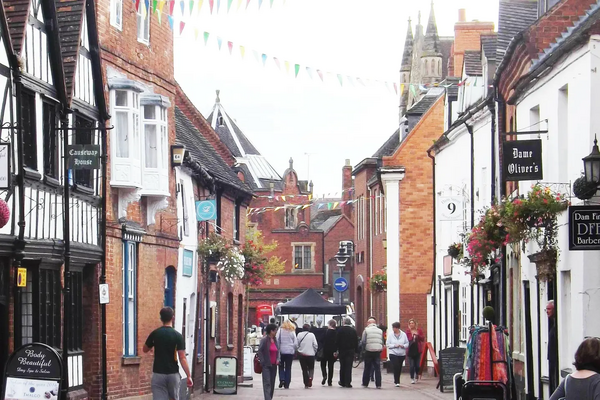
pixel 572 124
pixel 186 286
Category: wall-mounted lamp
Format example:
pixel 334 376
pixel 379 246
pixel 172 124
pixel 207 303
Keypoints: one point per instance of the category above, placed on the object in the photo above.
pixel 384 242
pixel 177 154
pixel 585 187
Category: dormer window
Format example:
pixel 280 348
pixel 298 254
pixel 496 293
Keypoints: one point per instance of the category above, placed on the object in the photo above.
pixel 220 121
pixel 291 217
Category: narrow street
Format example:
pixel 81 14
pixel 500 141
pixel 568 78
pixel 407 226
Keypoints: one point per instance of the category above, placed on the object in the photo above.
pixel 424 389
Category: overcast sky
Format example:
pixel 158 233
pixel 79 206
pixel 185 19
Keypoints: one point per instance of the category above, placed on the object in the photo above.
pixel 318 124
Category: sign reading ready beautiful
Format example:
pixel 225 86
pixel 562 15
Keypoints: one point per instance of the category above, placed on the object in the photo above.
pixel 584 228
pixel 522 160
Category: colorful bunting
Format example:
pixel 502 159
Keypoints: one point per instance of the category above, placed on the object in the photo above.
pixel 309 72
pixel 181 26
pixel 277 63
pixel 287 67
pixel 297 69
pixel 340 79
pixel 264 59
pixel 271 3
pixel 230 45
pixel 206 35
pixel 320 73
pixel 171 6
pixel 247 4
pixel 239 5
pixel 182 5
pixel 171 21
pixel 218 5
pixel 200 2
pixel 242 51
pixel 219 42
pixel 154 5
pixel 259 3
pixel 229 4
pixel 161 4
pixel 212 3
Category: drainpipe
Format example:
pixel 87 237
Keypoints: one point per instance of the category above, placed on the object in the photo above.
pixel 434 244
pixel 470 129
pixel 370 250
pixel 103 267
pixel 20 242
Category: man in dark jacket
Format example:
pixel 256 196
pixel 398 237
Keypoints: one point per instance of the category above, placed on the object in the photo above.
pixel 346 343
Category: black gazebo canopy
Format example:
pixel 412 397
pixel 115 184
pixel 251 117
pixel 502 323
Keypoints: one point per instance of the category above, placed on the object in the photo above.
pixel 311 302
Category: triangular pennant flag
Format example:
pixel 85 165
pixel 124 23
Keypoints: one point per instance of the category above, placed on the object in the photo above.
pixel 264 59
pixel 191 6
pixel 145 7
pixel 161 4
pixel 219 42
pixel 309 72
pixel 229 4
pixel 181 26
pixel 259 3
pixel 349 79
pixel 218 5
pixel 242 51
pixel 137 5
pixel 329 206
pixel 171 21
pixel 335 204
pixel 360 81
pixel 277 63
pixel 196 33
pixel 396 87
pixel 305 206
pixel 171 6
pixel 277 208
pixel 309 197
pixel 413 90
pixel 206 35
pixel 401 88
pixel 182 5
pixel 287 67
pixel 297 69
pixel 320 73
pixel 298 207
pixel 239 4
pixel 271 3
pixel 200 2
pixel 340 79
pixel 211 3
pixel 256 55
pixel 247 3
pixel 283 198
pixel 230 45
pixel 320 206
pixel 154 5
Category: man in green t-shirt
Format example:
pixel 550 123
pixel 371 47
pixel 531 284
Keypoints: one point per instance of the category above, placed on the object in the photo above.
pixel 168 345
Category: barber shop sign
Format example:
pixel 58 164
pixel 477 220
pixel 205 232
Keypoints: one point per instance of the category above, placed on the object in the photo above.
pixel 584 228
pixel 522 160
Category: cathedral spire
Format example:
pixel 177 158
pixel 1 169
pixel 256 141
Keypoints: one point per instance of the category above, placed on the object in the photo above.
pixel 431 42
pixel 408 49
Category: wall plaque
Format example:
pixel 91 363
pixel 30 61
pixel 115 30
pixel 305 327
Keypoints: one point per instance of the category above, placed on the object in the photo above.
pixel 584 228
pixel 84 156
pixel 522 160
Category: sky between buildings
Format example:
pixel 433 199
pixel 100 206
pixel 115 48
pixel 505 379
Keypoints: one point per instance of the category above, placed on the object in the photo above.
pixel 317 123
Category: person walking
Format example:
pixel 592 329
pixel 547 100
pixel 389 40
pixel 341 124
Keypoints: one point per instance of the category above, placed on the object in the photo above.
pixel 329 355
pixel 372 342
pixel 287 344
pixel 346 343
pixel 416 341
pixel 397 343
pixel 268 354
pixel 584 383
pixel 552 346
pixel 168 345
pixel 307 348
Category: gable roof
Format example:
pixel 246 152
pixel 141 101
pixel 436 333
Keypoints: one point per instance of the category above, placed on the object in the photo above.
pixel 17 12
pixel 489 45
pixel 202 152
pixel 70 14
pixel 5 37
pixel 514 16
pixel 472 62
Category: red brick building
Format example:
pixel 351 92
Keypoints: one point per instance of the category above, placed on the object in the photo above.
pixel 281 210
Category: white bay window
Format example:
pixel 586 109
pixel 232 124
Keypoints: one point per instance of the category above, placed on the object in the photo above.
pixel 155 174
pixel 126 166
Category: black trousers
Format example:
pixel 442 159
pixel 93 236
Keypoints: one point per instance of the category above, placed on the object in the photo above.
pixel 307 363
pixel 346 359
pixel 397 362
pixel 327 364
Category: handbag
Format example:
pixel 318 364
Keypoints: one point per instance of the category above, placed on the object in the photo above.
pixel 257 367
pixel 303 337
pixel 320 354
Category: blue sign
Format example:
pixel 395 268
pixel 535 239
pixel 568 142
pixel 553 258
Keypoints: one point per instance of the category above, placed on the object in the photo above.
pixel 340 284
pixel 206 210
pixel 188 263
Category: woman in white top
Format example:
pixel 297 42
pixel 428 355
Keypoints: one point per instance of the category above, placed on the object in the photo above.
pixel 397 343
pixel 307 348
pixel 287 343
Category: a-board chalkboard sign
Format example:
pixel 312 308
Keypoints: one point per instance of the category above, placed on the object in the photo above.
pixel 33 372
pixel 451 362
pixel 225 379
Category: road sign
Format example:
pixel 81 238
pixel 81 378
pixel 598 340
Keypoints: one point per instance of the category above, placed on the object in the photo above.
pixel 340 284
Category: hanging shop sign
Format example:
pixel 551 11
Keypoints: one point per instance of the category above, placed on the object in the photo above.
pixel 21 277
pixel 206 210
pixel 84 156
pixel 188 263
pixel 522 160
pixel 4 165
pixel 33 372
pixel 584 228
pixel 451 208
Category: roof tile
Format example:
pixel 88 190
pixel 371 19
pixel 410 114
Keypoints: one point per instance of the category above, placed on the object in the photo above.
pixel 16 12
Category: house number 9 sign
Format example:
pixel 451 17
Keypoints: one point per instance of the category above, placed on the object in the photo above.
pixel 450 208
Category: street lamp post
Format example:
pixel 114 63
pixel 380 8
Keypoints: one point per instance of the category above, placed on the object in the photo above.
pixel 591 164
pixel 342 256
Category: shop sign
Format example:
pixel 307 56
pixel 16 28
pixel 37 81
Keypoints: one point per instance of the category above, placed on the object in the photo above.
pixel 84 156
pixel 225 375
pixel 188 262
pixel 450 208
pixel 33 372
pixel 522 160
pixel 206 210
pixel 584 228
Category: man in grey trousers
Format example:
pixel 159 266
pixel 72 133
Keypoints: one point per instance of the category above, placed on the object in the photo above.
pixel 168 345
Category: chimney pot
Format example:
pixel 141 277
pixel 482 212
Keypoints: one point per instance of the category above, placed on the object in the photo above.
pixel 462 15
pixel 347 162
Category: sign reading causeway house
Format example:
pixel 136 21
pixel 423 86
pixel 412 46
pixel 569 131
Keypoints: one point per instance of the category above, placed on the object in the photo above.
pixel 84 156
pixel 584 228
pixel 522 160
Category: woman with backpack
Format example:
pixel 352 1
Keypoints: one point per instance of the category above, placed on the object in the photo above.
pixel 416 341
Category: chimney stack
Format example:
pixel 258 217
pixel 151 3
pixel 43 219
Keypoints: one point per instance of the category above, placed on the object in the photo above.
pixel 347 191
pixel 462 15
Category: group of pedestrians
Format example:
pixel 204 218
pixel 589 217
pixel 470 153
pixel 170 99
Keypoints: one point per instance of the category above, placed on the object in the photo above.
pixel 279 346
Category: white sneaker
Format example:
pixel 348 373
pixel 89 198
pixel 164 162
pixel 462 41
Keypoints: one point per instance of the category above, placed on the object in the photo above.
pixel 397 385
pixel 413 382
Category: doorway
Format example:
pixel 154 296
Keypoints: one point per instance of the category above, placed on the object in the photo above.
pixel 528 339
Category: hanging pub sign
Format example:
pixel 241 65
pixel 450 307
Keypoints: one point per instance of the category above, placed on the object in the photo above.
pixel 522 160
pixel 84 156
pixel 206 210
pixel 450 208
pixel 584 228
pixel 33 372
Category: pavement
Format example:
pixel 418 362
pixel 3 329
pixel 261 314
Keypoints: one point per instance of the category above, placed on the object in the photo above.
pixel 424 389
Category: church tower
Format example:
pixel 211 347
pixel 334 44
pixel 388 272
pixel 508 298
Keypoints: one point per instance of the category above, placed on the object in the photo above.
pixel 405 69
pixel 431 58
pixel 414 94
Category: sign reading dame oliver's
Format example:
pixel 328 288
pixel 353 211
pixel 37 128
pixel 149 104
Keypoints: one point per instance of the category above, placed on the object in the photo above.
pixel 522 160
pixel 84 156
pixel 584 228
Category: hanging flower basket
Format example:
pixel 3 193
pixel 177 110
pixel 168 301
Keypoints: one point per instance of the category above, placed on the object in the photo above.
pixel 545 264
pixel 378 282
pixel 4 213
pixel 455 250
pixel 231 266
pixel 214 247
